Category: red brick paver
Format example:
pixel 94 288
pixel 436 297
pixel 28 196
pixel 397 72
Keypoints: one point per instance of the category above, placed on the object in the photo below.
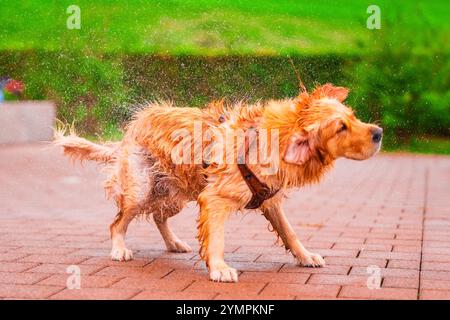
pixel 388 216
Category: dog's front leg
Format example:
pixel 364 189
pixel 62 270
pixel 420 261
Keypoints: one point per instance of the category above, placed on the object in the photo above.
pixel 273 212
pixel 213 213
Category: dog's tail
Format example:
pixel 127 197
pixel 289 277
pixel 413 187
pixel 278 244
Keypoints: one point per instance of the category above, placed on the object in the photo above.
pixel 81 149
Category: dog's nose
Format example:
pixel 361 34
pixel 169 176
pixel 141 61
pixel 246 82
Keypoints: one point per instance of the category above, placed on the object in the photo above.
pixel 377 133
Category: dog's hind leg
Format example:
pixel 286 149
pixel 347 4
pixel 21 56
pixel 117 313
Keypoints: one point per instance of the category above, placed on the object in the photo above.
pixel 118 230
pixel 166 200
pixel 173 243
pixel 129 187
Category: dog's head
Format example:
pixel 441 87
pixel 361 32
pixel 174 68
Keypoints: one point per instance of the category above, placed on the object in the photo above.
pixel 326 128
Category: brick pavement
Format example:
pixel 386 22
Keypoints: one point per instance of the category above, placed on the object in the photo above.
pixel 392 211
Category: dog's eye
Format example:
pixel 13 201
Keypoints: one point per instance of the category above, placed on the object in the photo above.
pixel 343 127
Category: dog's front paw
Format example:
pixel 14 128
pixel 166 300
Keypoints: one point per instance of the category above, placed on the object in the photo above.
pixel 178 246
pixel 121 254
pixel 223 274
pixel 312 260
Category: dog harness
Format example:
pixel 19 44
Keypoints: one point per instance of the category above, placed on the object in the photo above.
pixel 260 190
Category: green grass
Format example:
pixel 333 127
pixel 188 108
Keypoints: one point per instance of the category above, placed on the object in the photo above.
pixel 213 27
pixel 430 145
pixel 111 133
pixel 424 145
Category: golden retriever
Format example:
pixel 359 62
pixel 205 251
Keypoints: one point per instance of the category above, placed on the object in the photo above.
pixel 147 177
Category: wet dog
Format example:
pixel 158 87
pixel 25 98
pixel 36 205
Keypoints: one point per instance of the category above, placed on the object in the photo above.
pixel 160 165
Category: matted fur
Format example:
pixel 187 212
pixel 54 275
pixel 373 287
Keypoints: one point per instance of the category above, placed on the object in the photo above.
pixel 314 130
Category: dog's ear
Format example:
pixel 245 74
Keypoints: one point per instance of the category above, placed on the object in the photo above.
pixel 300 148
pixel 330 91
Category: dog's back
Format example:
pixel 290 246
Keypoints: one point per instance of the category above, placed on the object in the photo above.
pixel 159 127
pixel 141 165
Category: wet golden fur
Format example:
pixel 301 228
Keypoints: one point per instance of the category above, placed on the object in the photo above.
pixel 143 180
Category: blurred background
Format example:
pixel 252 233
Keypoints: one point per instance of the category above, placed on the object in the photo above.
pixel 193 51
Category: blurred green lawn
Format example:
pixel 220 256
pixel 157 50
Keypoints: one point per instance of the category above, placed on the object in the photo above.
pixel 212 27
